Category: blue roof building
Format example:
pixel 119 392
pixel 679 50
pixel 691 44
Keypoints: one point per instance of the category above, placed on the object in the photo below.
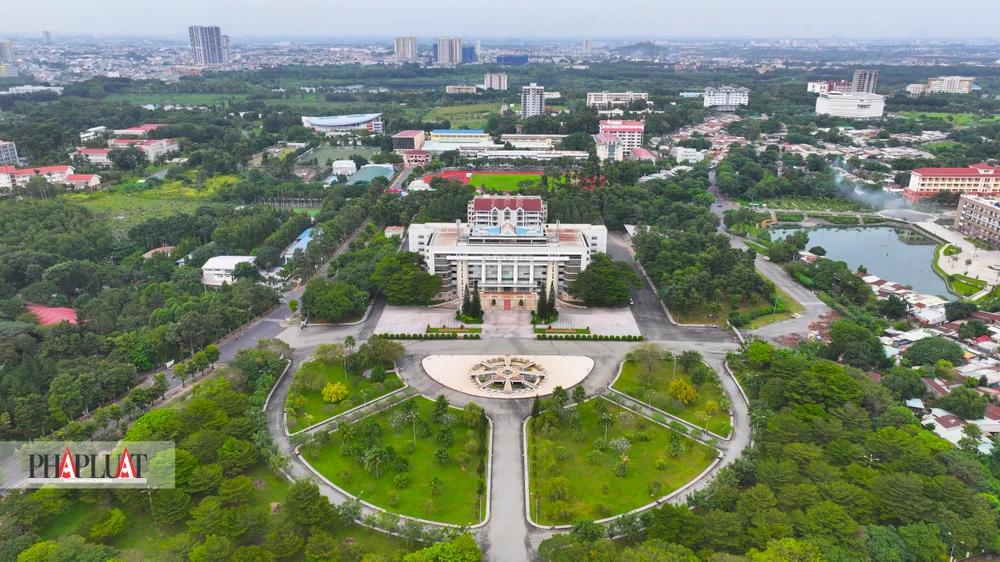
pixel 300 243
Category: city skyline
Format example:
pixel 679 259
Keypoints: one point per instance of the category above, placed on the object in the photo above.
pixel 918 19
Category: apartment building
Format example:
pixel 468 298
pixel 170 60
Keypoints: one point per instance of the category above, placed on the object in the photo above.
pixel 978 179
pixel 851 105
pixel 459 89
pixel 979 217
pixel 405 48
pixel 629 132
pixel 864 81
pixel 206 44
pixel 495 81
pixel 943 85
pixel 448 51
pixel 8 153
pixel 532 100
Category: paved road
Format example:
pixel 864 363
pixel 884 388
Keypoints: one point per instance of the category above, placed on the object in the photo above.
pixel 814 308
pixel 398 184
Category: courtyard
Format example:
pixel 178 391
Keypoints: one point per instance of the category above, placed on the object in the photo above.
pixel 507 376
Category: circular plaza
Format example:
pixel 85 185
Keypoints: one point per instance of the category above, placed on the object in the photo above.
pixel 507 376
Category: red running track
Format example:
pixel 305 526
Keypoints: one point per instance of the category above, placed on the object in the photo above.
pixel 462 175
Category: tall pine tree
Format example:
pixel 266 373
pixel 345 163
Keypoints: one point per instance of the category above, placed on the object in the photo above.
pixel 477 306
pixel 466 302
pixel 541 309
pixel 551 301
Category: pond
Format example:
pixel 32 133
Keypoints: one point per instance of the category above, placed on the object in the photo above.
pixel 894 254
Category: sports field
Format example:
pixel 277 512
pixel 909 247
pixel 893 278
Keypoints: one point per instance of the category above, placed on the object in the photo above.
pixel 324 153
pixel 472 115
pixel 504 182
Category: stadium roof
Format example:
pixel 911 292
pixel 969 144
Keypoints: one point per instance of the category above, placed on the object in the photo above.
pixel 343 120
pixel 370 172
pixel 458 131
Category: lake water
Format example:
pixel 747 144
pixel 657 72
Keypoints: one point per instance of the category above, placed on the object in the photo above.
pixel 898 255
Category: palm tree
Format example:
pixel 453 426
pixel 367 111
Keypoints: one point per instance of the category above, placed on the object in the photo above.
pixel 375 461
pixel 608 420
pixel 350 343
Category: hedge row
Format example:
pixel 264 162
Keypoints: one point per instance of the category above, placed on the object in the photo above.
pixel 586 337
pixel 434 336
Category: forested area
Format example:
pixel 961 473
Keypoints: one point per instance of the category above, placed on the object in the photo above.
pixel 839 470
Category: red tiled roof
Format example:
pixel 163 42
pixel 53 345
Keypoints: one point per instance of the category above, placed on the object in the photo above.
pixel 982 339
pixel 407 134
pixel 642 153
pixel 487 203
pixel 80 177
pixel 606 138
pixel 51 315
pixel 416 153
pixel 40 170
pixel 972 171
pixel 935 387
pixel 93 150
pixel 7 169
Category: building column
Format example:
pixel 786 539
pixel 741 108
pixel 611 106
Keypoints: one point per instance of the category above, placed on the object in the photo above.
pixel 484 273
pixel 531 273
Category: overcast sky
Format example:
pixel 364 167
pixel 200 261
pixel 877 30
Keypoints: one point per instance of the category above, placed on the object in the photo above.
pixel 653 19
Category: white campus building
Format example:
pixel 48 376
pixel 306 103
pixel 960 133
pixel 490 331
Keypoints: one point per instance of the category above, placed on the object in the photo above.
pixel 495 81
pixel 726 98
pixel 532 100
pixel 851 105
pixel 507 247
pixel 605 99
pixel 219 270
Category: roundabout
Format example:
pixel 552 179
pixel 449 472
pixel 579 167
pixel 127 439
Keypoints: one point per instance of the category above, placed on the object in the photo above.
pixel 507 376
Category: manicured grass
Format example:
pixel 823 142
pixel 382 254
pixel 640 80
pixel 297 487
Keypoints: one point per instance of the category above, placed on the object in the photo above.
pixel 472 116
pixel 316 409
pixel 792 307
pixel 952 250
pixel 812 204
pixel 959 119
pixel 790 217
pixel 702 315
pixel 324 153
pixel 457 501
pixel 978 243
pixel 455 331
pixel 760 248
pixel 502 182
pixel 839 219
pixel 965 285
pixel 593 491
pixel 630 383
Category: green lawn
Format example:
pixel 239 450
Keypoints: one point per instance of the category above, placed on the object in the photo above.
pixel 176 99
pixel 965 285
pixel 952 250
pixel 812 204
pixel 503 182
pixel 790 217
pixel 315 409
pixel 456 502
pixel 324 153
pixel 630 383
pixel 959 119
pixel 591 488
pixel 472 116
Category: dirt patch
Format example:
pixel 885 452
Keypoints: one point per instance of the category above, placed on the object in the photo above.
pixel 821 326
pixel 258 483
pixel 275 508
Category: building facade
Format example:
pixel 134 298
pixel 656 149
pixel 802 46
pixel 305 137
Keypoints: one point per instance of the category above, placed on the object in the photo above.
pixel 943 85
pixel 495 81
pixel 227 53
pixel 979 218
pixel 412 158
pixel 449 50
pixel 532 100
pixel 469 54
pixel 726 98
pixel 460 135
pixel 506 248
pixel 606 99
pixel 852 105
pixel 978 179
pixel 408 140
pixel 206 44
pixel 6 52
pixel 96 156
pixel 405 48
pixel 459 89
pixel 864 81
pixel 153 149
pixel 8 153
pixel 629 132
pixel 609 147
pixel 8 71
pixel 512 60
pixel 586 47
pixel 219 270
pixel 343 124
pixel 823 86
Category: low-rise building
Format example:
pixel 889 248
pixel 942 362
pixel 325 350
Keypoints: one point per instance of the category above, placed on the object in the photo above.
pixel 943 85
pixel 978 179
pixel 142 131
pixel 606 99
pixel 408 140
pixel 854 105
pixel 500 154
pixel 301 242
pixel 495 81
pixel 219 270
pixel 391 231
pixel 460 136
pixel 640 154
pixel 96 156
pixel 609 147
pixel 345 167
pixel 413 158
pixel 726 98
pixel 94 133
pixel 683 154
pixel 83 181
pixel 824 86
pixel 459 89
pixel 153 149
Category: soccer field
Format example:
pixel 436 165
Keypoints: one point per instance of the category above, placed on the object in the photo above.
pixel 505 182
pixel 324 153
